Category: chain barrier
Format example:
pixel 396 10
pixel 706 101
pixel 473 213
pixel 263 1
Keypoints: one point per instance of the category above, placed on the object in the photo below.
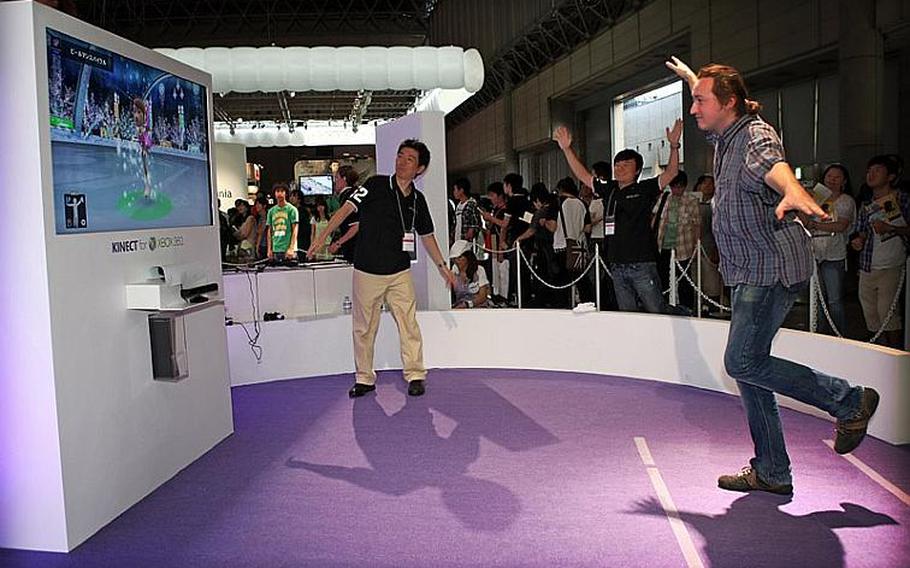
pixel 680 277
pixel 552 286
pixel 704 296
pixel 491 251
pixel 893 307
pixel 816 288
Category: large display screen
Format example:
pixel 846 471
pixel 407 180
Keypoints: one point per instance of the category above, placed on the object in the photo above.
pixel 129 142
pixel 315 185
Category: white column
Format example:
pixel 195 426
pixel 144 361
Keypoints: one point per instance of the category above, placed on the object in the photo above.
pixel 230 173
pixel 428 127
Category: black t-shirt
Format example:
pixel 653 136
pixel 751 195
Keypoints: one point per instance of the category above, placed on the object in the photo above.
pixel 542 236
pixel 603 188
pixel 498 213
pixel 633 240
pixel 347 249
pixel 383 224
pixel 518 205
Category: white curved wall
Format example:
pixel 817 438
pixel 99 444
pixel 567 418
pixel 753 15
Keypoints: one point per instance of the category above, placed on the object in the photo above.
pixel 662 348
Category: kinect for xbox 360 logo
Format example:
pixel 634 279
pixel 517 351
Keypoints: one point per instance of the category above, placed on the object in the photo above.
pixel 150 244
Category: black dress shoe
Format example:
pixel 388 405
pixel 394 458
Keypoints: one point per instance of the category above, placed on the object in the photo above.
pixel 416 388
pixel 360 389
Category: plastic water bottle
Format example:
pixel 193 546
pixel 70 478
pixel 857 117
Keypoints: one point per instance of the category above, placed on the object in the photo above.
pixel 346 305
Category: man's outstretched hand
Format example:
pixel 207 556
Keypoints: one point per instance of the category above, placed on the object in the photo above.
pixel 682 71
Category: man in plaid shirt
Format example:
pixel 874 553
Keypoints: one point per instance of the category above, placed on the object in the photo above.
pixel 679 229
pixel 882 241
pixel 467 215
pixel 767 261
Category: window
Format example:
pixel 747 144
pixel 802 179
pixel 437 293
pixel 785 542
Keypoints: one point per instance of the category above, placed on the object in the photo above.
pixel 640 122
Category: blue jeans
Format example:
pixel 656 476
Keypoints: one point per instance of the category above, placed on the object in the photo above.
pixel 758 312
pixel 831 279
pixel 638 281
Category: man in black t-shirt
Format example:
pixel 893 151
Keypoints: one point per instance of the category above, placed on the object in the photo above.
pixel 346 178
pixel 518 210
pixel 497 223
pixel 392 214
pixel 632 252
pixel 519 213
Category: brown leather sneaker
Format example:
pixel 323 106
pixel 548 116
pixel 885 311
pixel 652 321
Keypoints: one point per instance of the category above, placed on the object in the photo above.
pixel 747 480
pixel 849 433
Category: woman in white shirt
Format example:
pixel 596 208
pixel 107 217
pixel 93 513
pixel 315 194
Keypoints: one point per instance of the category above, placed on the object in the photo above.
pixel 472 289
pixel 318 224
pixel 572 223
pixel 829 242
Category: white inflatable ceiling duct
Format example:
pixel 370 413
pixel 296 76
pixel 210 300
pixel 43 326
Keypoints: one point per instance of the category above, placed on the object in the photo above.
pixel 272 69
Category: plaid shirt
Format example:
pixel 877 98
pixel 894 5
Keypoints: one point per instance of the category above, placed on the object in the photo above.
pixel 755 248
pixel 864 227
pixel 688 224
pixel 470 218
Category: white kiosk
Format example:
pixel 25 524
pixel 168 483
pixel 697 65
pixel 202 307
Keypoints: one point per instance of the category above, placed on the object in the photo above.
pixel 106 168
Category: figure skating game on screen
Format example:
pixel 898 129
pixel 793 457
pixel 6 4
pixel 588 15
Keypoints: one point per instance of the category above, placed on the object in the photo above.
pixel 129 142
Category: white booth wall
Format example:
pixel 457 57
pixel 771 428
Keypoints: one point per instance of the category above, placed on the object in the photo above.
pixel 85 432
pixel 230 173
pixel 685 351
pixel 428 127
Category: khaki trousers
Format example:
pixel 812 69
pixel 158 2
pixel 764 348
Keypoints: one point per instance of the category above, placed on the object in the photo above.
pixel 398 292
pixel 876 292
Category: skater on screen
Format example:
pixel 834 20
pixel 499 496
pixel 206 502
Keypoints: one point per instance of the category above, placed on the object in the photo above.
pixel 140 118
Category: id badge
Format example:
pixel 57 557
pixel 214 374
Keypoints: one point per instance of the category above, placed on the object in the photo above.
pixel 609 226
pixel 409 244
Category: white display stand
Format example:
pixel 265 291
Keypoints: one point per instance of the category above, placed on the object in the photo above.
pixel 308 291
pixel 85 432
pixel 684 351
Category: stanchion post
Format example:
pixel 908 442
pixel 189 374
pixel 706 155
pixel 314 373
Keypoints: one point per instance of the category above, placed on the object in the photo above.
pixel 698 278
pixel 597 275
pixel 673 291
pixel 813 299
pixel 518 270
pixel 907 307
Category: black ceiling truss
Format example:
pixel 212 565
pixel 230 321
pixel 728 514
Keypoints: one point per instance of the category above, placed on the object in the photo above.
pixel 312 105
pixel 551 38
pixel 258 23
pixel 208 23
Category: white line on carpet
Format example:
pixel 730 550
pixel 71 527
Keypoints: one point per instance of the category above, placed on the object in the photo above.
pixel 693 560
pixel 874 475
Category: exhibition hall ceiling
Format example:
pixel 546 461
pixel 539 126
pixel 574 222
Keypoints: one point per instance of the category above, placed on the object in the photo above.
pixel 260 23
pixel 516 38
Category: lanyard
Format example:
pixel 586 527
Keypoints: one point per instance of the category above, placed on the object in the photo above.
pixel 398 201
pixel 611 212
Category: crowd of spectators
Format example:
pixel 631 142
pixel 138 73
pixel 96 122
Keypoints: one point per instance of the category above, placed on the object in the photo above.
pixel 640 225
pixel 646 231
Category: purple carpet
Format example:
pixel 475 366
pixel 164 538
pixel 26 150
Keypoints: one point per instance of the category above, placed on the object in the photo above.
pixel 500 468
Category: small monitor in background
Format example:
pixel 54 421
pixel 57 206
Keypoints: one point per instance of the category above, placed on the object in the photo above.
pixel 315 185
